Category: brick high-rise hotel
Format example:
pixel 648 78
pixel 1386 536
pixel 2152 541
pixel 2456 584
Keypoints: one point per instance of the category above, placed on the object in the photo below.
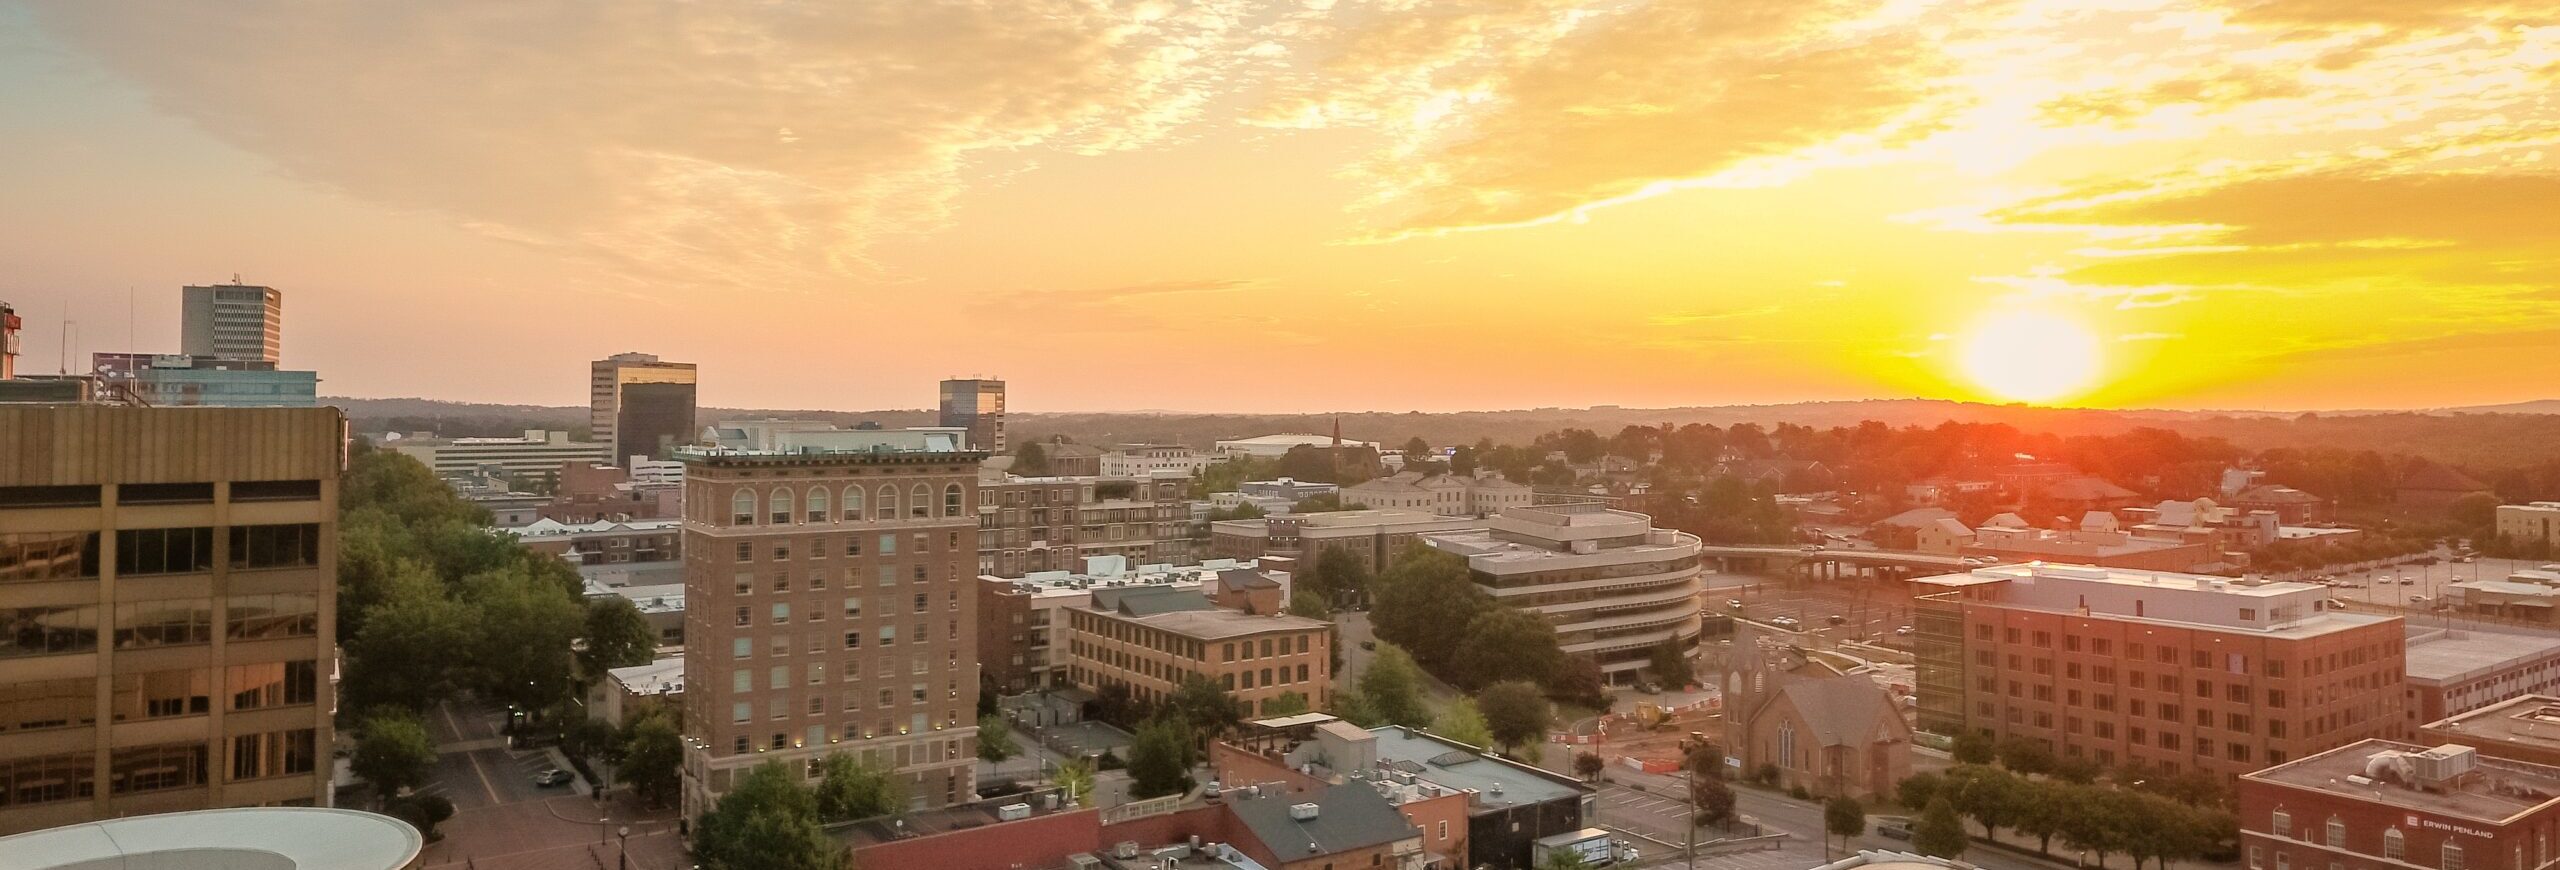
pixel 830 582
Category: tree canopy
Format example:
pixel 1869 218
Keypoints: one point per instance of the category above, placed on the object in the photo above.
pixel 767 821
pixel 1518 713
pixel 1391 689
pixel 1161 755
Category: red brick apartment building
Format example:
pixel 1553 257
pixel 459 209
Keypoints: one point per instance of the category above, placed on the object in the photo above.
pixel 2387 805
pixel 2176 671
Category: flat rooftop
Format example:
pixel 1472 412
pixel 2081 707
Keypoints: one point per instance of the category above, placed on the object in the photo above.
pixel 1480 546
pixel 2513 787
pixel 2529 720
pixel 1222 624
pixel 663 675
pixel 2447 656
pixel 2170 598
pixel 1458 768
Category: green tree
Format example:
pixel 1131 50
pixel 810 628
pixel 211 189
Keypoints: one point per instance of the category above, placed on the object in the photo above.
pixel 1588 765
pixel 849 789
pixel 617 636
pixel 524 655
pixel 1204 708
pixel 1425 603
pixel 1285 704
pixel 2043 807
pixel 392 752
pixel 2026 755
pixel 2474 512
pixel 1354 708
pixel 2098 820
pixel 1506 643
pixel 767 821
pixel 405 656
pixel 1670 666
pixel 2077 769
pixel 1340 575
pixel 1161 755
pixel 1564 859
pixel 1713 797
pixel 1518 714
pixel 1391 689
pixel 1987 795
pixel 1462 722
pixel 588 739
pixel 1417 450
pixel 1031 460
pixel 422 811
pixel 1973 747
pixel 1842 817
pixel 995 741
pixel 1914 791
pixel 1939 833
pixel 1076 778
pixel 652 758
pixel 1462 460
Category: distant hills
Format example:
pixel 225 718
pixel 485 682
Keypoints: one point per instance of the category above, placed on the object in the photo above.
pixel 2511 435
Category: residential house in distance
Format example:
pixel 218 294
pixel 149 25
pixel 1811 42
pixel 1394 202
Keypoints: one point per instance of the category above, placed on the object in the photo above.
pixel 1069 459
pixel 2291 506
pixel 1944 535
pixel 1376 536
pixel 1447 495
pixel 1822 730
pixel 2432 487
pixel 1147 640
pixel 2176 671
pixel 1901 531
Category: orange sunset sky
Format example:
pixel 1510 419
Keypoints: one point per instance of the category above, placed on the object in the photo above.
pixel 1313 205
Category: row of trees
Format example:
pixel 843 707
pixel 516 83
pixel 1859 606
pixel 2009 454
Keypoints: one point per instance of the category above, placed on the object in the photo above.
pixel 434 603
pixel 2102 819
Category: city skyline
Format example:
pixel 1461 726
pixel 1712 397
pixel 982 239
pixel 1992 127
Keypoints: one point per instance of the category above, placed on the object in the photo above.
pixel 2276 206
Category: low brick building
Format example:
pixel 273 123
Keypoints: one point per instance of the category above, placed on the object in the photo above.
pixel 1148 640
pixel 2387 805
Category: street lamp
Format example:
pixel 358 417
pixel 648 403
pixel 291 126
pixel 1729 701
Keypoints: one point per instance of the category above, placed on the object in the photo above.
pixel 601 823
pixel 622 849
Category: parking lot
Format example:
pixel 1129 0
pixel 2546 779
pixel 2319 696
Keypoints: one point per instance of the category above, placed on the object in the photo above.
pixel 1866 610
pixel 2384 585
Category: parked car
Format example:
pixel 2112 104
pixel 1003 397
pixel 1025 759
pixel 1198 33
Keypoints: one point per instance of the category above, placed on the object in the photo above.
pixel 1894 829
pixel 1733 604
pixel 1811 548
pixel 1786 622
pixel 1904 631
pixel 2419 600
pixel 2408 581
pixel 550 777
pixel 1836 619
pixel 1369 645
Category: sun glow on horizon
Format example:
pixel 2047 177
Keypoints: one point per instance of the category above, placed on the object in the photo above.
pixel 2027 355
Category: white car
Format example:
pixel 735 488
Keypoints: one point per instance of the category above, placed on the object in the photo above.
pixel 1786 622
pixel 1904 631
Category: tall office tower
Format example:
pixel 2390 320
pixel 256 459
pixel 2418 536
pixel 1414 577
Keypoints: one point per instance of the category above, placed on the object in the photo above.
pixel 976 404
pixel 233 321
pixel 830 598
pixel 641 405
pixel 168 583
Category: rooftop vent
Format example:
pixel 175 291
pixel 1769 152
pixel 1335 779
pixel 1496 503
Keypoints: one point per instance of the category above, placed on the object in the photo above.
pixel 2443 763
pixel 1303 812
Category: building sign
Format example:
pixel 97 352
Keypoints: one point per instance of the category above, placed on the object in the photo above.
pixel 2416 822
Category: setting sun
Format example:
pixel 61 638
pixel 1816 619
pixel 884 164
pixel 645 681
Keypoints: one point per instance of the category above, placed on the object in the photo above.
pixel 2030 356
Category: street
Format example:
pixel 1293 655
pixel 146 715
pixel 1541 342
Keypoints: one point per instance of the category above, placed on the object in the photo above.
pixel 1656 807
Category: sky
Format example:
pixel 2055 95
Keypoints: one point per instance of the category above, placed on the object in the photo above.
pixel 1312 205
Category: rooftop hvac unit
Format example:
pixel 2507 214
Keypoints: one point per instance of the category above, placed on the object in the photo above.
pixel 1083 861
pixel 1125 849
pixel 1303 812
pixel 2443 762
pixel 1013 812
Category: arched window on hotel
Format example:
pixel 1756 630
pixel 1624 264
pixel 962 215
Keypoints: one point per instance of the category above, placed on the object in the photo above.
pixel 779 505
pixel 950 499
pixel 818 509
pixel 920 501
pixel 888 503
pixel 852 503
pixel 742 508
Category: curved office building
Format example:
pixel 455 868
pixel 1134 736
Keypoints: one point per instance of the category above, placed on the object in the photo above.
pixel 1614 586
